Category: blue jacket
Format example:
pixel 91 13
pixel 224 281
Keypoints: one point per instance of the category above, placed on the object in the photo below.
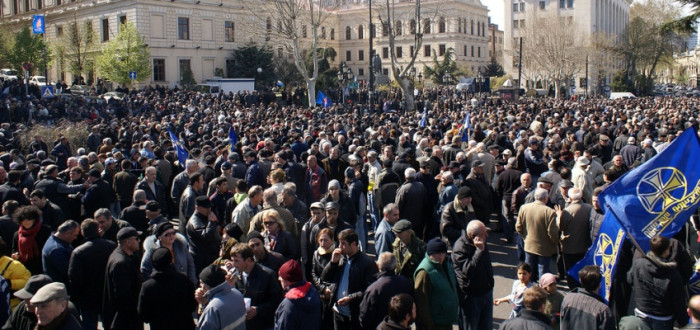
pixel 300 309
pixel 254 176
pixel 383 238
pixel 55 256
pixel 225 310
pixel 183 261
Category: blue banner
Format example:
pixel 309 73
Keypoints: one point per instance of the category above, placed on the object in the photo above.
pixel 323 100
pixel 38 26
pixel 465 128
pixel 233 138
pixel 603 253
pixel 182 154
pixel 658 197
pixel 694 283
pixel 424 119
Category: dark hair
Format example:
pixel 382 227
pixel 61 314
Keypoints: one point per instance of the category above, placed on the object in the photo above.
pixel 400 306
pixel 590 277
pixel 9 207
pixel 242 250
pixel 38 193
pixel 534 297
pixel 28 213
pixel 14 176
pixel 659 245
pixel 524 266
pixel 597 191
pixel 348 235
pixel 126 164
pixel 242 186
pixel 194 178
pixel 90 228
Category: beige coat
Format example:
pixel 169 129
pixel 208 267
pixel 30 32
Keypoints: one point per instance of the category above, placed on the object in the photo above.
pixel 537 224
pixel 575 228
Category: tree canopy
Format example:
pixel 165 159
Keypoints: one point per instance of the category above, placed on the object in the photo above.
pixel 27 48
pixel 126 52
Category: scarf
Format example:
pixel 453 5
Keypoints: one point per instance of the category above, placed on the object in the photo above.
pixel 26 239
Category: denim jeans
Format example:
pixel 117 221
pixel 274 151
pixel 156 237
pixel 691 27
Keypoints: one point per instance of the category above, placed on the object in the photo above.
pixel 476 312
pixel 539 264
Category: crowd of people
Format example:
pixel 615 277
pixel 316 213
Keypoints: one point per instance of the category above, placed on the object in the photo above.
pixel 348 217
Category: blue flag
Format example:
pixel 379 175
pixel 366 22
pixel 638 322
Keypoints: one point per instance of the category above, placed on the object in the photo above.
pixel 424 119
pixel 233 138
pixel 694 283
pixel 603 253
pixel 658 197
pixel 323 100
pixel 179 148
pixel 465 128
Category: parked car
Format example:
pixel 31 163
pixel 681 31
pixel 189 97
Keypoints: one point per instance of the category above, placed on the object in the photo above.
pixel 113 95
pixel 79 89
pixel 37 80
pixel 8 74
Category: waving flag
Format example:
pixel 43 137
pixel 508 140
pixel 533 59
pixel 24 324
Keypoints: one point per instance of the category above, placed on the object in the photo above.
pixel 179 148
pixel 233 138
pixel 424 119
pixel 465 128
pixel 323 100
pixel 658 197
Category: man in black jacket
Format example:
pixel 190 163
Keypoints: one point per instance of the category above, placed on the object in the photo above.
pixel 122 284
pixel 375 304
pixel 352 271
pixel 135 214
pixel 472 264
pixel 51 214
pixel 258 283
pixel 203 234
pixel 99 195
pixel 11 190
pixel 167 301
pixel 86 273
pixel 109 226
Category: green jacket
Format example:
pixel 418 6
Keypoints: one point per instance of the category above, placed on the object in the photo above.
pixel 407 263
pixel 441 293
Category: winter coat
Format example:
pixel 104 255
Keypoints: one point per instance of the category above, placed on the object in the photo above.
pixel 361 275
pixel 658 288
pixel 225 310
pixel 204 239
pixel 265 293
pixel 300 309
pixel 407 261
pixel 166 301
pixel 473 268
pixel 538 227
pixel 183 262
pixel 375 303
pixel 412 200
pixel 454 220
pixel 585 310
pixel 527 320
pixel 86 271
pixel 121 292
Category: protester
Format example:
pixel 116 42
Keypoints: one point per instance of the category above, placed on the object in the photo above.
pixel 437 302
pixel 583 308
pixel 532 317
pixel 301 306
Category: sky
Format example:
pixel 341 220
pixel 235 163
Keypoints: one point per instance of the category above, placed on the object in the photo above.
pixel 495 11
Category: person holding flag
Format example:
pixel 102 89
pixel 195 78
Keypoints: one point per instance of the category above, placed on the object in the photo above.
pixel 323 100
pixel 465 128
pixel 179 148
pixel 233 139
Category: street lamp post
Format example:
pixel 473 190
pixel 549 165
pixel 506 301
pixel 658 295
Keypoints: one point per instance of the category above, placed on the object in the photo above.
pixel 479 82
pixel 259 72
pixel 344 74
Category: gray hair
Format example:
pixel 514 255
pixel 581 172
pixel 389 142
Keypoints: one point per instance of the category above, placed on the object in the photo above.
pixel 410 173
pixel 270 196
pixel 386 262
pixel 191 163
pixel 447 175
pixel 290 189
pixel 103 212
pixel 389 207
pixel 68 226
pixel 541 194
pixel 575 194
pixel 139 195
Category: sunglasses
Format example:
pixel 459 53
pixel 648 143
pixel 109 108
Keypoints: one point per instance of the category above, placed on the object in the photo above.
pixel 269 223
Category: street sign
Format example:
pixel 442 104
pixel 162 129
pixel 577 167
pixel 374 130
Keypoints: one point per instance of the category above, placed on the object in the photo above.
pixel 47 92
pixel 132 75
pixel 27 66
pixel 38 24
pixel 353 84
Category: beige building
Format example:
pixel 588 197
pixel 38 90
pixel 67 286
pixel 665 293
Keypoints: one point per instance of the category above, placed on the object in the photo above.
pixel 201 34
pixel 496 43
pixel 591 17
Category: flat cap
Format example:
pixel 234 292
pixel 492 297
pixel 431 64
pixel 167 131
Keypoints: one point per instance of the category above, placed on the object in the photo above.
pixel 127 232
pixel 51 291
pixel 401 226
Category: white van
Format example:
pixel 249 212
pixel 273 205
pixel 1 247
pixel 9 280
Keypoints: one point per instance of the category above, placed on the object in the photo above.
pixel 622 95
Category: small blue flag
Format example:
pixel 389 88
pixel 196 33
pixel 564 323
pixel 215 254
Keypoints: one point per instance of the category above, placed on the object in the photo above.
pixel 424 119
pixel 658 197
pixel 280 83
pixel 603 253
pixel 465 128
pixel 38 26
pixel 323 100
pixel 182 154
pixel 233 138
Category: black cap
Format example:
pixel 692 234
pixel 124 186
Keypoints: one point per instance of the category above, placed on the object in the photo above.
pixel 225 166
pixel 162 227
pixel 464 192
pixel 202 201
pixel 33 285
pixel 254 234
pixel 127 232
pixel 161 258
pixel 95 173
pixel 435 246
pixel 212 276
pixel 153 206
pixel 477 163
pixel 544 179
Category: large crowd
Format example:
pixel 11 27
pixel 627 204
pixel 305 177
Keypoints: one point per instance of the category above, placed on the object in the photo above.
pixel 348 217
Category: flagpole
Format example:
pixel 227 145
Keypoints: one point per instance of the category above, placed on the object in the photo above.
pixel 624 228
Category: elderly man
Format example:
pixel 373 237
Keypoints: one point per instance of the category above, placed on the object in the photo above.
pixel 51 308
pixel 181 181
pixel 109 226
pixel 383 236
pixel 409 250
pixel 375 303
pixel 187 201
pixel 575 227
pixel 55 255
pixel 154 189
pixel 411 199
pixel 537 226
pixel 631 153
pixel 247 208
pixel 202 234
pixel 456 215
pixel 581 179
pixel 135 214
pixel 437 301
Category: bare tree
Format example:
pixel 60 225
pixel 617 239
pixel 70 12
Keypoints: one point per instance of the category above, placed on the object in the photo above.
pixel 77 47
pixel 297 26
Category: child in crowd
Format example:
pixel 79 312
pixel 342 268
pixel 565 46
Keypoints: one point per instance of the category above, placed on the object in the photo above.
pixel 554 298
pixel 519 286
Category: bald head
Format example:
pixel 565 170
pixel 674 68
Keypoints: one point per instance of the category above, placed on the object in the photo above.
pixel 475 227
pixel 694 308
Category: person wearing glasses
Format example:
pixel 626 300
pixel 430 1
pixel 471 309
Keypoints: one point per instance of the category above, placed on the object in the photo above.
pixel 277 239
pixel 166 236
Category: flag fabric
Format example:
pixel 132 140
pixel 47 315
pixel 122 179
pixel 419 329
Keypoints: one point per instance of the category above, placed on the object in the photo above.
pixel 603 253
pixel 280 83
pixel 424 119
pixel 179 148
pixel 323 100
pixel 233 138
pixel 694 282
pixel 658 197
pixel 465 128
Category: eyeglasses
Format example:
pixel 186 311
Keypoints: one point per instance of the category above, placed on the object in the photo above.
pixel 269 223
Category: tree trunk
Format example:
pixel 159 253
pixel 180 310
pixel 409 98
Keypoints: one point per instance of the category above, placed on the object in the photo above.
pixel 556 89
pixel 311 88
pixel 406 87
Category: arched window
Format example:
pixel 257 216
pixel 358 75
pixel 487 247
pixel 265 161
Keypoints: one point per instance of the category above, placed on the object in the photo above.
pixel 441 25
pixel 360 32
pixel 412 26
pixel 399 28
pixel 472 29
pixel 268 25
pixel 348 33
pixel 426 26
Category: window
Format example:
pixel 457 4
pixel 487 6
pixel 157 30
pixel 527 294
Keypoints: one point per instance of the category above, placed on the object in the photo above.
pixel 360 72
pixel 472 50
pixel 303 31
pixel 459 21
pixel 372 31
pixel 522 23
pixel 515 24
pixel 385 72
pixel 479 51
pixel 105 30
pixel 385 52
pixel 399 52
pixel 569 3
pixel 478 28
pixel 413 50
pixel 332 33
pixel 562 4
pixel 441 50
pixel 465 50
pixel 426 26
pixel 158 69
pixel 184 67
pixel 515 7
pixel 348 56
pixel 183 28
pixel 399 28
pixel 348 33
pixel 472 29
pixel 229 31
pixel 542 5
pixel 122 20
pixel 522 6
pixel 323 32
pixel 268 28
pixel 360 32
pixel 59 31
pixel 426 51
pixel 412 26
pixel 441 25
pixel 361 55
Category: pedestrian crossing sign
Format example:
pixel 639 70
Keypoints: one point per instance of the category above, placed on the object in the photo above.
pixel 47 92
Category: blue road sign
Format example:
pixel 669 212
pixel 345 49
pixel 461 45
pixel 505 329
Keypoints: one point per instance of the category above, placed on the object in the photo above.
pixel 47 92
pixel 38 24
pixel 132 75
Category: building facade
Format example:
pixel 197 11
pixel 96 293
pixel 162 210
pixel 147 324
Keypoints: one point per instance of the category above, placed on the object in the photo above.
pixel 496 43
pixel 590 17
pixel 200 35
